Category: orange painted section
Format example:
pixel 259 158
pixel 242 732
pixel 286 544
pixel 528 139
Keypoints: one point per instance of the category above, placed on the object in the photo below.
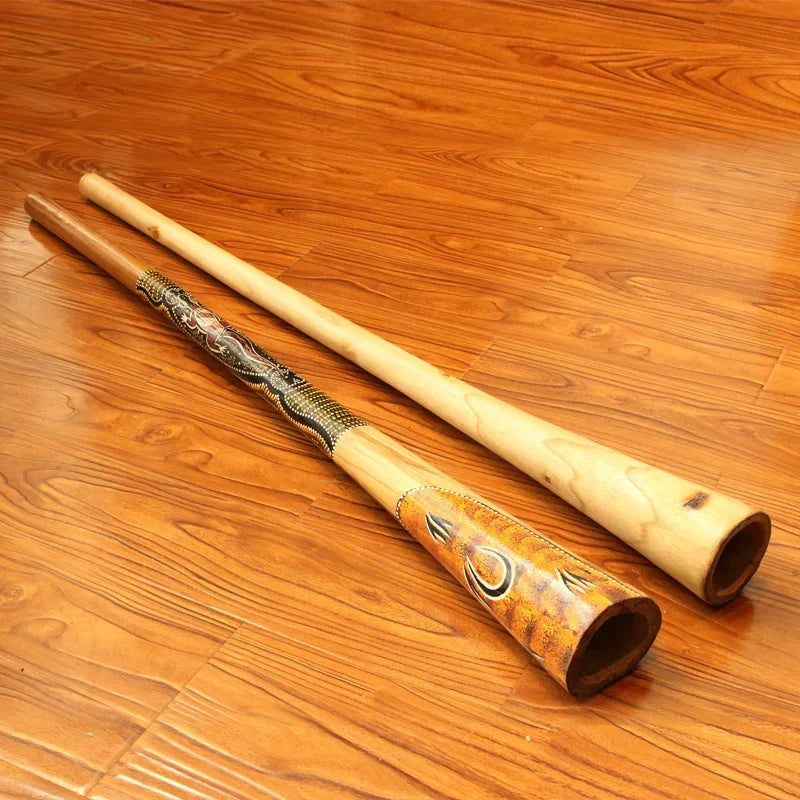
pixel 543 595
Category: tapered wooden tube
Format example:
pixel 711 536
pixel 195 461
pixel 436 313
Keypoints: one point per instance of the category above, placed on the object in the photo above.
pixel 582 625
pixel 710 542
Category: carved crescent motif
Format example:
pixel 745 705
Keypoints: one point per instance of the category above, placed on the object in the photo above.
pixel 480 588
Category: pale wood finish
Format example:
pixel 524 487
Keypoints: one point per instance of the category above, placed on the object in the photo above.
pixel 384 468
pixel 586 209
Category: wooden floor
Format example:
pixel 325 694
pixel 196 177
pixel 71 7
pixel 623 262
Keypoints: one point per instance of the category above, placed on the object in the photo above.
pixel 591 209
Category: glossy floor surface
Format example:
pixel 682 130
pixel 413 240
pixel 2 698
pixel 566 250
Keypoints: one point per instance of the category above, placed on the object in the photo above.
pixel 589 209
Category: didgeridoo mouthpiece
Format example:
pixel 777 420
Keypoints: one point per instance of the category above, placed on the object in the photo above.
pixel 584 627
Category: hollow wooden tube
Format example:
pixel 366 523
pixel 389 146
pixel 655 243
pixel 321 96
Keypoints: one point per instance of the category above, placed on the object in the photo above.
pixel 712 543
pixel 583 626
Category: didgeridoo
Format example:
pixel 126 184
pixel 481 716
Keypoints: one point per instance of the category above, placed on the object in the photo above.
pixel 710 542
pixel 583 626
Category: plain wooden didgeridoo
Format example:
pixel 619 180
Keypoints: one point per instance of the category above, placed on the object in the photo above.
pixel 710 542
pixel 583 626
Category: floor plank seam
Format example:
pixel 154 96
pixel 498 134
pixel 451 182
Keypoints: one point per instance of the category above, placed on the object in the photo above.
pixel 478 356
pixel 132 744
pixel 43 264
pixel 771 373
pixel 720 12
pixel 319 247
pixel 627 194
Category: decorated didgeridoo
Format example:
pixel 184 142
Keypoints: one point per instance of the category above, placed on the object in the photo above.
pixel 710 542
pixel 583 626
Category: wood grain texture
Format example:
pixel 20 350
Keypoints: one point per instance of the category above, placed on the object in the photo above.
pixel 17 784
pixel 587 208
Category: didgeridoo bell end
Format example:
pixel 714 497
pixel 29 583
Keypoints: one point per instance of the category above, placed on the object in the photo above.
pixel 737 558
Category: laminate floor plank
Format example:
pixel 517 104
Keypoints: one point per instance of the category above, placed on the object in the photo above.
pixel 192 734
pixel 321 705
pixel 679 287
pixel 468 33
pixel 32 117
pixel 764 24
pixel 752 758
pixel 253 168
pixel 672 63
pixel 51 170
pixel 85 672
pixel 169 39
pixel 608 139
pixel 782 389
pixel 562 323
pixel 752 225
pixel 659 215
pixel 17 784
pixel 233 99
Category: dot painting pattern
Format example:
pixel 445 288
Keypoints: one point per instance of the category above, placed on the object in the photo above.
pixel 317 415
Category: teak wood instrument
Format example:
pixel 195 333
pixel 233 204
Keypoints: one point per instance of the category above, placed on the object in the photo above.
pixel 710 542
pixel 582 625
